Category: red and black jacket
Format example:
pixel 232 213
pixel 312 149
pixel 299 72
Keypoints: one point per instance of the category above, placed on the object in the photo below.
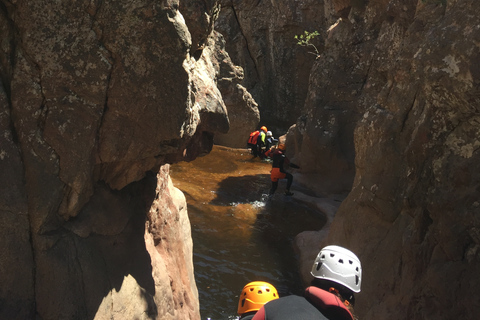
pixel 317 304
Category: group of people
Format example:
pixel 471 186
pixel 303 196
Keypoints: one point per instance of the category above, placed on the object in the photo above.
pixel 264 145
pixel 337 276
pixel 260 142
pixel 336 271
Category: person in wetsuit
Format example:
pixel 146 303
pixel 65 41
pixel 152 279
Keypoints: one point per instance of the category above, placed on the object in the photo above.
pixel 254 295
pixel 256 142
pixel 337 276
pixel 261 142
pixel 279 160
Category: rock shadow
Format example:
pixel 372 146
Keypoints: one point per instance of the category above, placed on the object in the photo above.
pixel 242 189
pixel 108 246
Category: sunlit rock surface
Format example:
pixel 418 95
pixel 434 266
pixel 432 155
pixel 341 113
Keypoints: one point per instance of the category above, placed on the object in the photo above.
pixel 400 79
pixel 93 96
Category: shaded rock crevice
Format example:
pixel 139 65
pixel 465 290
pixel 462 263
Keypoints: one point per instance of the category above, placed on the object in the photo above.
pixel 235 15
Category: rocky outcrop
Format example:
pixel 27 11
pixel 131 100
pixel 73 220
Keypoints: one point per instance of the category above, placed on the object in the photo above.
pixel 407 73
pixel 260 38
pixel 93 96
pixel 242 109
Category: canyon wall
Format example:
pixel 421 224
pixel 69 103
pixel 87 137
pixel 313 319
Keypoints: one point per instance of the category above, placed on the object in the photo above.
pixel 96 98
pixel 260 38
pixel 394 107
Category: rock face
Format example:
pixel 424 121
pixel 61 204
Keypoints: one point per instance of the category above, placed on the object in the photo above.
pixel 260 38
pixel 400 80
pixel 242 109
pixel 93 95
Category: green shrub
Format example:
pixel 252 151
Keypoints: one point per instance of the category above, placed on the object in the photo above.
pixel 305 39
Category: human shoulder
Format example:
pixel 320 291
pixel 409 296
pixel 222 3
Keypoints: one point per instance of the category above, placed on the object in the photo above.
pixel 292 307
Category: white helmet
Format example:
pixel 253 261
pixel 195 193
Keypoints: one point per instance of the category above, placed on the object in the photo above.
pixel 339 265
pixel 269 133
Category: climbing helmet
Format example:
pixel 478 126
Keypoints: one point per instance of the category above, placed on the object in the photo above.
pixel 254 295
pixel 339 265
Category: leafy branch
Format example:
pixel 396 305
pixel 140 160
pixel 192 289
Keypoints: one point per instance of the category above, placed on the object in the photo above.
pixel 305 39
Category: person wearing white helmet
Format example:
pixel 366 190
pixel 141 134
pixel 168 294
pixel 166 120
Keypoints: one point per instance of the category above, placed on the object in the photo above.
pixel 270 140
pixel 337 276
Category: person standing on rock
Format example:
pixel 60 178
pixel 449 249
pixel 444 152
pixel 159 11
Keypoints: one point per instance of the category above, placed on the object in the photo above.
pixel 261 142
pixel 256 141
pixel 254 295
pixel 337 276
pixel 270 140
pixel 279 160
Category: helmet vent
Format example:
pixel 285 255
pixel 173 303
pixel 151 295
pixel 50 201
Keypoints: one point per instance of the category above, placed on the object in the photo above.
pixel 340 261
pixel 259 292
pixel 268 290
pixel 356 279
pixel 350 261
pixel 323 256
pixel 319 265
pixel 332 255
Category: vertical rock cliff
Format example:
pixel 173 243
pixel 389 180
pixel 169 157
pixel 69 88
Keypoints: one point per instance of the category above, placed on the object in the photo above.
pixel 395 93
pixel 260 38
pixel 391 113
pixel 96 98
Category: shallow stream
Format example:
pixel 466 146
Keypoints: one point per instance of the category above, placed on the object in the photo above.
pixel 238 235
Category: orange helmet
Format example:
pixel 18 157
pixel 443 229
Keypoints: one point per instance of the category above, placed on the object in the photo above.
pixel 254 295
pixel 282 146
pixel 264 129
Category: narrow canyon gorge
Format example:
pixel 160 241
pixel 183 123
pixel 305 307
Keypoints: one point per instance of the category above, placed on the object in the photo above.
pixel 98 98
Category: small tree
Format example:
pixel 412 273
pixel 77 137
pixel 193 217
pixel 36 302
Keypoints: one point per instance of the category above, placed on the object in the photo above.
pixel 305 39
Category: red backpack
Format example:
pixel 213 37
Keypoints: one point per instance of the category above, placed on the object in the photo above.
pixel 253 137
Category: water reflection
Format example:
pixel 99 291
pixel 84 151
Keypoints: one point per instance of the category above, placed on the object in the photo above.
pixel 238 236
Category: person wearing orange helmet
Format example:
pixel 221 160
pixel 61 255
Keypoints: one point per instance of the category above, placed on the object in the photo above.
pixel 261 142
pixel 337 277
pixel 279 160
pixel 256 142
pixel 254 295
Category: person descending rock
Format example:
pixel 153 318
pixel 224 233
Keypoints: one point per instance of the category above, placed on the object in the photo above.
pixel 337 276
pixel 278 171
pixel 254 295
pixel 256 141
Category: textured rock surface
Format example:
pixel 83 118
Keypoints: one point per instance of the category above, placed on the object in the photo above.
pixel 242 109
pixel 93 95
pixel 260 38
pixel 410 84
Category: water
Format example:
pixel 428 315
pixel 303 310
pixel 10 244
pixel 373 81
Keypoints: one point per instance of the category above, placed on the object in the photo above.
pixel 238 235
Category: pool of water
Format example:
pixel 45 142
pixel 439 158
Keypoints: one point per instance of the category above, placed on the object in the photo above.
pixel 238 235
